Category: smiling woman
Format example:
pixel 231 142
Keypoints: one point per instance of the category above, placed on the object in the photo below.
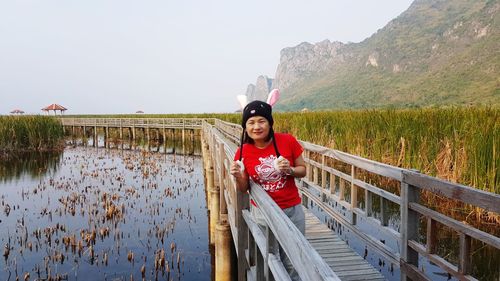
pixel 29 133
pixel 273 161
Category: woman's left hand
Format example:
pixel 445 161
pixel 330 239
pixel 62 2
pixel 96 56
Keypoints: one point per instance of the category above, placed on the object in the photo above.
pixel 284 166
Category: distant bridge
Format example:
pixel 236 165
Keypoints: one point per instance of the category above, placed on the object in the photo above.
pixel 339 184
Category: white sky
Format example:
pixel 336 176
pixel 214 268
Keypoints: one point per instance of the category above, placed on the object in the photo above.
pixel 119 56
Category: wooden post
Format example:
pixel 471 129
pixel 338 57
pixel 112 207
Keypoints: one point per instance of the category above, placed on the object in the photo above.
pixel 368 203
pixel 242 203
pixel 259 263
pixel 409 226
pixel 316 175
pixel 354 194
pixel 341 188
pixel 223 237
pixel 106 137
pixel 214 212
pixel 431 236
pixel 222 187
pixel 384 212
pixel 164 133
pixel 84 136
pixel 95 137
pixel 464 265
pixel 308 165
pixel 210 180
pixel 147 137
pixel 323 179
pixel 223 253
pixel 183 130
pixel 272 247
pixel 332 183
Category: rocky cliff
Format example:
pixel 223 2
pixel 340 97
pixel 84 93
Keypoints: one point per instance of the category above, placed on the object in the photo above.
pixel 438 52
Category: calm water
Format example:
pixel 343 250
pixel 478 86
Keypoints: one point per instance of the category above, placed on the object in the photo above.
pixel 100 214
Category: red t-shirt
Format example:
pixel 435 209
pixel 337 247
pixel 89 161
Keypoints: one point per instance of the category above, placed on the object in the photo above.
pixel 260 168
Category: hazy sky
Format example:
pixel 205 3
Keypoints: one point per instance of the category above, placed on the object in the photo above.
pixel 119 56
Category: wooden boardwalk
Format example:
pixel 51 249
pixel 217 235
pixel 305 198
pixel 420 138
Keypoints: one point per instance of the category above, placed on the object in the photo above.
pixel 357 193
pixel 346 263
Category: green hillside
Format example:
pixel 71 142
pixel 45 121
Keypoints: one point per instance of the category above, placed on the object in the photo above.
pixel 436 53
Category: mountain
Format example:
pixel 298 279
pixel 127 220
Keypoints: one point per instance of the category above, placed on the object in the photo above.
pixel 260 89
pixel 436 53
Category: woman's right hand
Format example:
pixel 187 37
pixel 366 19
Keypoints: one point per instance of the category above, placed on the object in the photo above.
pixel 236 170
pixel 240 175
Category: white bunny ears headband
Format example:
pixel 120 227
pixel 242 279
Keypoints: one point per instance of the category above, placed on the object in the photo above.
pixel 272 98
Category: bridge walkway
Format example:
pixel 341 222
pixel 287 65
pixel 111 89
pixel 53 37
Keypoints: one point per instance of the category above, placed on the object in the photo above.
pixel 346 263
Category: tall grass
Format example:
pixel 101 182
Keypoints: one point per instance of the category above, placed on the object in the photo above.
pixel 29 133
pixel 456 144
pixel 460 144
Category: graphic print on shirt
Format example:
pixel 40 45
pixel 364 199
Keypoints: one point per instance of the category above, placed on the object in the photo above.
pixel 267 176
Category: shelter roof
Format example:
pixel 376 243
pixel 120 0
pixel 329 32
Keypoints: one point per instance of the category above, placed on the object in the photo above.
pixel 54 106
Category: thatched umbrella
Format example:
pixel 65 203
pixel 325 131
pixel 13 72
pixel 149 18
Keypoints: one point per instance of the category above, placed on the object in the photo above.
pixel 17 111
pixel 55 108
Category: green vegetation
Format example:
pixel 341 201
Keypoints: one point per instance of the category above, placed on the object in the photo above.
pixel 458 144
pixel 437 53
pixel 29 133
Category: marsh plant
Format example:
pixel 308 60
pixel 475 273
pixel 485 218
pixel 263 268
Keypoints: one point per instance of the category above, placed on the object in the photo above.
pixel 30 133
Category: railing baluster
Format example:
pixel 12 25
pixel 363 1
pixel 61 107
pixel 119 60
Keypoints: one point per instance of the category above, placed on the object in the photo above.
pixel 222 174
pixel 431 235
pixel 464 265
pixel 409 226
pixel 272 248
pixel 354 194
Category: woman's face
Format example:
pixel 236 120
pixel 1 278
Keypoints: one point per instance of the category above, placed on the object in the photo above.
pixel 257 128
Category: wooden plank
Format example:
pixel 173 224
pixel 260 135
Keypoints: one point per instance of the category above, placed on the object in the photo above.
pixel 412 272
pixel 380 192
pixel 486 200
pixel 338 255
pixel 439 261
pixel 369 165
pixel 458 226
pixel 389 254
pixel 307 262
pixel 277 268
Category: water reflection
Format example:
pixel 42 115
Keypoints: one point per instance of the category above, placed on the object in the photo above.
pixel 172 145
pixel 33 165
pixel 106 214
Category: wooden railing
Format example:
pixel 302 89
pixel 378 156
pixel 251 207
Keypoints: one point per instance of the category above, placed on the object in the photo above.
pixel 170 123
pixel 345 186
pixel 257 249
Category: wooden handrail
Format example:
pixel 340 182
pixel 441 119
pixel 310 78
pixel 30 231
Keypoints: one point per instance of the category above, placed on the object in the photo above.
pixel 305 259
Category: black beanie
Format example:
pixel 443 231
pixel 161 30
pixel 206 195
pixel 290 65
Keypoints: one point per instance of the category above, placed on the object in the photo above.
pixel 257 108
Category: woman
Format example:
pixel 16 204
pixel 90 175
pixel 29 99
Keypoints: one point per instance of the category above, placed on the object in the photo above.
pixel 260 153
